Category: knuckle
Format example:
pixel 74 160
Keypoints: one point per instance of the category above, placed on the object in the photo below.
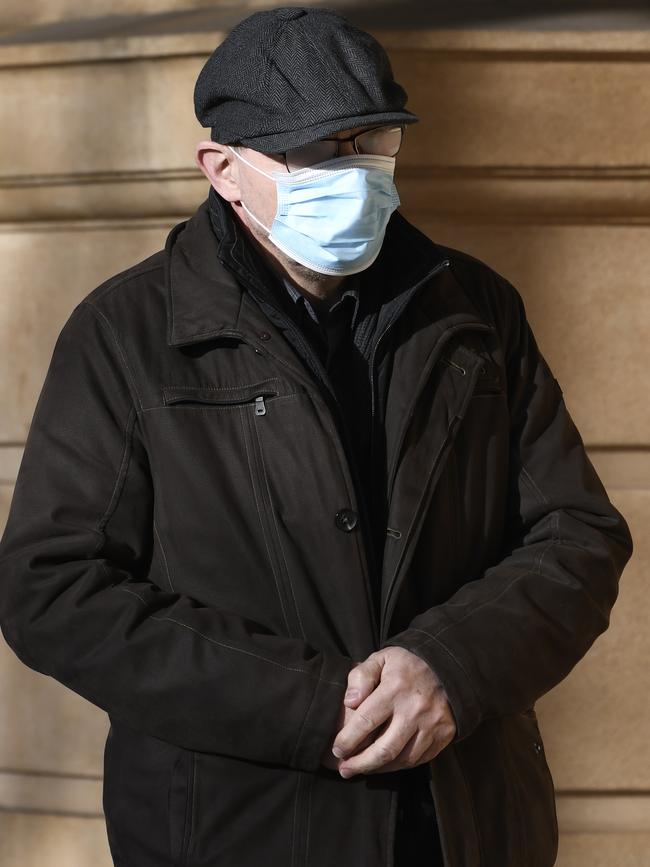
pixel 368 720
pixel 386 753
pixel 421 704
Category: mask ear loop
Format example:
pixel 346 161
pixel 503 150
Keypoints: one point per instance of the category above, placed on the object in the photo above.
pixel 243 159
pixel 250 213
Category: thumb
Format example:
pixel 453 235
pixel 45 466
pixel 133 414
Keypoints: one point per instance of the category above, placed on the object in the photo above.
pixel 362 680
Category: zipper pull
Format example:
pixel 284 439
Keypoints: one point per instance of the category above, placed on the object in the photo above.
pixel 260 406
pixel 451 363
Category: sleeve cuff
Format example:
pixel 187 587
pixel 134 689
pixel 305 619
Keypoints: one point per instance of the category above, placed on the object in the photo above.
pixel 317 730
pixel 461 695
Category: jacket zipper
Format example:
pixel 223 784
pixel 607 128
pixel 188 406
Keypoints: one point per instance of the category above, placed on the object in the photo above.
pixel 268 520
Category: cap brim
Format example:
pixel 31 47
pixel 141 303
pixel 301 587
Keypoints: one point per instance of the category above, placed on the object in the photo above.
pixel 282 141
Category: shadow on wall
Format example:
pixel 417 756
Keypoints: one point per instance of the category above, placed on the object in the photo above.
pixel 202 15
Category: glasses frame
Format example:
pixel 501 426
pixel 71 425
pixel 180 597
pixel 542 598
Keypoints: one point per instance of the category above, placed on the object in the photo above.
pixel 353 139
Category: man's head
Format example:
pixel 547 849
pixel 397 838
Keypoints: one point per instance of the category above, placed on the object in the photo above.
pixel 236 181
pixel 282 79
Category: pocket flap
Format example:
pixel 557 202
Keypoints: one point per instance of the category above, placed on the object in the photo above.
pixel 219 394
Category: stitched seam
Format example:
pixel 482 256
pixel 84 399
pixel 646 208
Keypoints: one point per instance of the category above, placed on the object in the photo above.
pixel 470 798
pixel 515 777
pixel 244 422
pixel 308 819
pixel 294 828
pixel 189 829
pixel 221 387
pixel 131 276
pixel 500 594
pixel 122 472
pixel 308 711
pixel 119 348
pixel 164 556
pixel 232 646
pixel 539 556
pixel 186 817
pixel 534 485
pixel 277 531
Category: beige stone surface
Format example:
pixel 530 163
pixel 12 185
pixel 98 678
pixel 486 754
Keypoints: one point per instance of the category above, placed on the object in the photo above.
pixel 56 793
pixel 515 111
pixel 622 468
pixel 6 493
pixel 595 722
pixel 47 840
pixel 588 812
pixel 604 850
pixel 46 272
pixel 15 14
pixel 585 288
pixel 47 727
pixel 155 131
pixel 10 457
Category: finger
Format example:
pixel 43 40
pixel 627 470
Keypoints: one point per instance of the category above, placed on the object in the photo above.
pixel 370 714
pixel 413 754
pixel 382 752
pixel 419 750
pixel 362 680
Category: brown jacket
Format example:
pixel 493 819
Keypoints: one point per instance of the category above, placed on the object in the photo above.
pixel 182 551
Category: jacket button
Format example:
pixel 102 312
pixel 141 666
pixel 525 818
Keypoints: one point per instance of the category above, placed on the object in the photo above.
pixel 263 335
pixel 346 519
pixel 538 747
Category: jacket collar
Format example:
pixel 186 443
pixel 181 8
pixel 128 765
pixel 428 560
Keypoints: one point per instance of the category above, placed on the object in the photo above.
pixel 209 264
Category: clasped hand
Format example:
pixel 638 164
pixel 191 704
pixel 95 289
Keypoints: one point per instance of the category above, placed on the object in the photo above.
pixel 395 715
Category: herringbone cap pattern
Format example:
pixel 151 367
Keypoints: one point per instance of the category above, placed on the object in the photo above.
pixel 287 76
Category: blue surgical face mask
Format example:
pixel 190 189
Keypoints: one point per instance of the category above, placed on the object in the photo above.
pixel 332 217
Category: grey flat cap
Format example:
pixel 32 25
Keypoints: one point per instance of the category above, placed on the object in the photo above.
pixel 287 76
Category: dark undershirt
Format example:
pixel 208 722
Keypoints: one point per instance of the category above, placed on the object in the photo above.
pixel 330 324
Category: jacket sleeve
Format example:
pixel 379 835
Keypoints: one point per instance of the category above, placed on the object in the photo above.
pixel 83 601
pixel 503 640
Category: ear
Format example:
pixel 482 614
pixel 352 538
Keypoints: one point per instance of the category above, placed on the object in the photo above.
pixel 218 164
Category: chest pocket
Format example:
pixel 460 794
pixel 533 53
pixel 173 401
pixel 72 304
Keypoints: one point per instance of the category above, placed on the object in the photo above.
pixel 220 445
pixel 225 396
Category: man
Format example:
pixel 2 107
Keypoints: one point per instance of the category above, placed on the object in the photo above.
pixel 302 506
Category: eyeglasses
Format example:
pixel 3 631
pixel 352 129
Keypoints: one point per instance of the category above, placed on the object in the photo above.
pixel 382 141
